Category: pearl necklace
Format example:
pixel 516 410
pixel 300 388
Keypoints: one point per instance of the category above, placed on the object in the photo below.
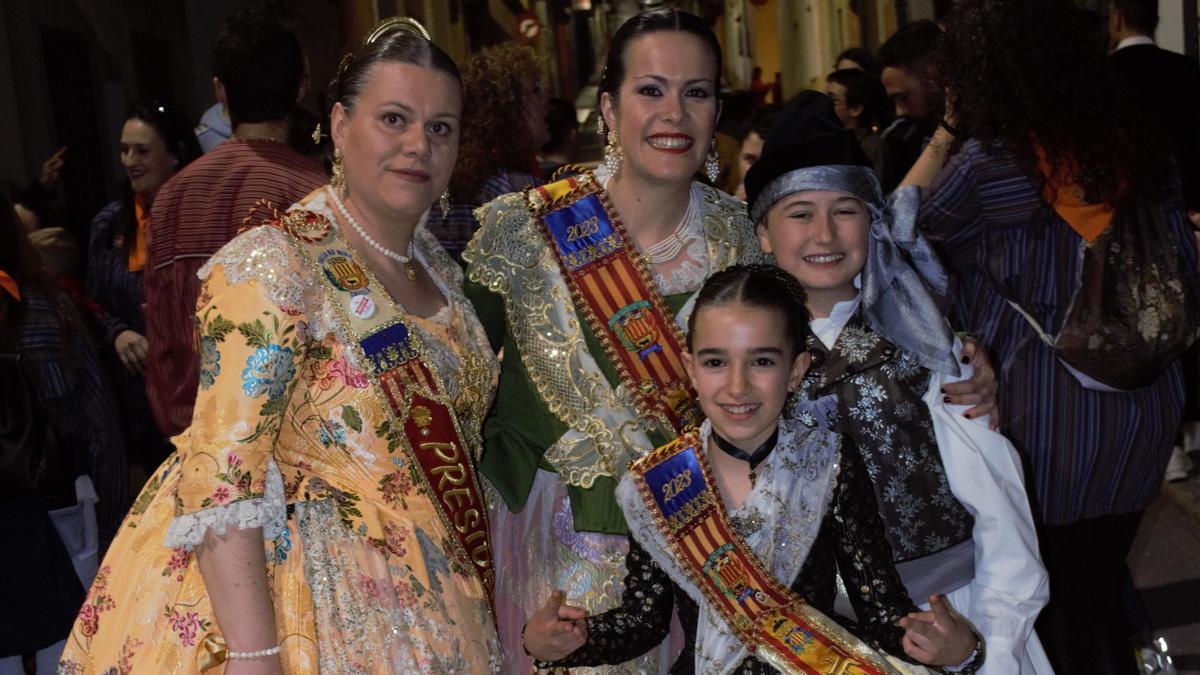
pixel 405 260
pixel 670 247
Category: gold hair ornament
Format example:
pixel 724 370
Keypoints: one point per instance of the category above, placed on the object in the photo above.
pixel 397 23
pixel 389 25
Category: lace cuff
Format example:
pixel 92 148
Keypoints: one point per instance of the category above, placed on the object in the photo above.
pixel 268 512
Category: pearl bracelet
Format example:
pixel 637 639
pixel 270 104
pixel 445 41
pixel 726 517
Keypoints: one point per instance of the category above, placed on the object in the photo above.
pixel 254 655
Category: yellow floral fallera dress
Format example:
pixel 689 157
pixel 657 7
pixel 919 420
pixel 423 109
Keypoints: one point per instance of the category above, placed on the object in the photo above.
pixel 290 435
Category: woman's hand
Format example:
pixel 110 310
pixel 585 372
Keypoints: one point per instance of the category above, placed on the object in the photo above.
pixel 939 637
pixel 52 169
pixel 555 630
pixel 132 348
pixel 948 108
pixel 978 391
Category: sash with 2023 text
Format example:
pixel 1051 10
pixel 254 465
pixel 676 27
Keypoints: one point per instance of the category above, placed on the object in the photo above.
pixel 611 287
pixel 775 623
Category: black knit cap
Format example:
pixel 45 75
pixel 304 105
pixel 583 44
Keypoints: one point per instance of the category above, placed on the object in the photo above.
pixel 805 133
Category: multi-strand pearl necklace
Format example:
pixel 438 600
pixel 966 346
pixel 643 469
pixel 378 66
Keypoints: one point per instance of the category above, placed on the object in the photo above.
pixel 670 247
pixel 405 260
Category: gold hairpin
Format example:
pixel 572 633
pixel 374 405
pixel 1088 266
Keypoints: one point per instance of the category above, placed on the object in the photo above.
pixel 397 23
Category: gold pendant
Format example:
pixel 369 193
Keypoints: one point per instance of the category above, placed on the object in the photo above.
pixel 410 272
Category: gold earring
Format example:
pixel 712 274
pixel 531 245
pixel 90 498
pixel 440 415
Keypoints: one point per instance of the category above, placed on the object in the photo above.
pixel 338 180
pixel 612 153
pixel 444 202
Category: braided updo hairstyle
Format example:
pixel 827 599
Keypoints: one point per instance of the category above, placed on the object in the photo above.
pixel 761 286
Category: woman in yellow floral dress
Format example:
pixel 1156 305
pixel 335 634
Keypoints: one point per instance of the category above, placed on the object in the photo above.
pixel 322 513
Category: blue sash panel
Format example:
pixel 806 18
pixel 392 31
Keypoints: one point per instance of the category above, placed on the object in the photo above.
pixel 582 232
pixel 388 347
pixel 676 482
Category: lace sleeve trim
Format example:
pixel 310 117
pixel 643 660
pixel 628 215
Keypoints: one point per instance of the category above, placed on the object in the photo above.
pixel 266 255
pixel 268 512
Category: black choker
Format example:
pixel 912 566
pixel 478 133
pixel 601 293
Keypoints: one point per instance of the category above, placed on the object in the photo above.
pixel 753 458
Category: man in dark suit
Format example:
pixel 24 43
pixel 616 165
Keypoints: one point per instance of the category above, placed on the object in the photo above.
pixel 1166 85
pixel 905 60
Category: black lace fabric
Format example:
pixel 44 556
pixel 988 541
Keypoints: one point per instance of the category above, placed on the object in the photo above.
pixel 851 540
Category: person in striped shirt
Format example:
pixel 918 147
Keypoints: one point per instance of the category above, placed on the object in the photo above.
pixel 1037 182
pixel 259 75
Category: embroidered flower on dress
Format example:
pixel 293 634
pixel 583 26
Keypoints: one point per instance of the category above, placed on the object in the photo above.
pixel 186 626
pixel 210 361
pixel 89 620
pixel 268 371
pixel 98 600
pixel 395 486
pixel 283 544
pixel 128 650
pixel 177 564
pixel 406 597
pixel 368 586
pixel 331 433
pixel 395 537
pixel 221 494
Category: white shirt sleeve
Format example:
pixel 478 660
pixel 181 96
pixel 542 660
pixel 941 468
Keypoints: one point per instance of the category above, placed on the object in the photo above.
pixel 1010 585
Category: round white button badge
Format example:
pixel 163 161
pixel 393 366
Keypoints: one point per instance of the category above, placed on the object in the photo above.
pixel 362 306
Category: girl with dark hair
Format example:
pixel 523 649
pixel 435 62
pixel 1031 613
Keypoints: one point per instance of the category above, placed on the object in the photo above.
pixel 322 513
pixel 1035 213
pixel 582 282
pixel 155 144
pixel 63 470
pixel 744 523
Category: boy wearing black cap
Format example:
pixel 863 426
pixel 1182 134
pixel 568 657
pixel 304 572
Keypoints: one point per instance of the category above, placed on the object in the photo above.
pixel 949 489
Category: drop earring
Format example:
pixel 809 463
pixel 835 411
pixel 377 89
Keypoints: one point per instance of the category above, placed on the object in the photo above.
pixel 444 202
pixel 712 165
pixel 612 153
pixel 338 180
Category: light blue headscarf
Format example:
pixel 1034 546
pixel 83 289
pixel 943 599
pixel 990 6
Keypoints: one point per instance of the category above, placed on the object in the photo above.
pixel 903 280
